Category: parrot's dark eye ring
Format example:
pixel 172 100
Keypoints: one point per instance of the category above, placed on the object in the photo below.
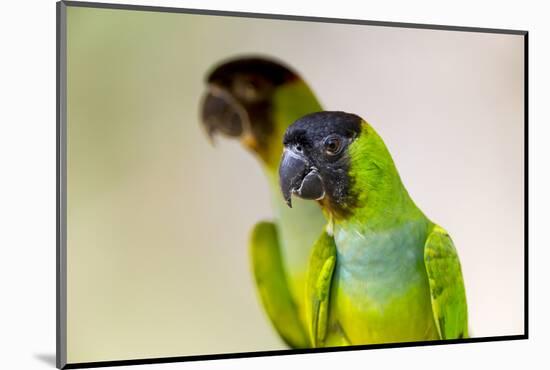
pixel 250 89
pixel 333 145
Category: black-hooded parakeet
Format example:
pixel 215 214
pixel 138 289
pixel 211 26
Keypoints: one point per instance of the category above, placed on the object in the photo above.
pixel 381 271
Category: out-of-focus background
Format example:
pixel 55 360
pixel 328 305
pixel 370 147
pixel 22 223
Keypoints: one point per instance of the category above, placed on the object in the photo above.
pixel 158 219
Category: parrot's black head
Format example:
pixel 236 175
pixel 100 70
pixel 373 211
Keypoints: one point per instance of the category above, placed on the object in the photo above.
pixel 315 163
pixel 238 101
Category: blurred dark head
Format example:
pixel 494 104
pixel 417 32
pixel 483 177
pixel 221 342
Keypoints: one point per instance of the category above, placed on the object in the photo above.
pixel 238 101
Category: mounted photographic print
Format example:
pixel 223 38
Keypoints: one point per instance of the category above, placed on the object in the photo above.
pixel 236 184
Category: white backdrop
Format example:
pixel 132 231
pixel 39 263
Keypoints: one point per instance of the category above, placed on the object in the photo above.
pixel 28 191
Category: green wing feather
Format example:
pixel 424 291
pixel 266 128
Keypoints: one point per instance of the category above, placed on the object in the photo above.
pixel 321 268
pixel 272 285
pixel 447 291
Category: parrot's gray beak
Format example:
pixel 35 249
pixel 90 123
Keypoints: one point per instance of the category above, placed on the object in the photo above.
pixel 297 176
pixel 222 113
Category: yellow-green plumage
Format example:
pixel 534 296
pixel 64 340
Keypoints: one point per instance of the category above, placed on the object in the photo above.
pixel 321 268
pixel 448 295
pixel 272 285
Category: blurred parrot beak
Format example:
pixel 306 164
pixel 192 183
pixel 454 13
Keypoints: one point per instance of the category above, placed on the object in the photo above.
pixel 222 113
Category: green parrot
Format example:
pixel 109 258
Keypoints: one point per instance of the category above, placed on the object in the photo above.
pixel 255 100
pixel 381 271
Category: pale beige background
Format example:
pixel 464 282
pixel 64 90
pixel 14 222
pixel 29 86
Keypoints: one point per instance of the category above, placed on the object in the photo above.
pixel 158 219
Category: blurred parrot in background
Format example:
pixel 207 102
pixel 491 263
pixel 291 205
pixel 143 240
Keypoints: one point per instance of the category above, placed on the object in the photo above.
pixel 381 271
pixel 255 100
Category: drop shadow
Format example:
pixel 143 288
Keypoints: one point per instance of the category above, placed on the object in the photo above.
pixel 47 358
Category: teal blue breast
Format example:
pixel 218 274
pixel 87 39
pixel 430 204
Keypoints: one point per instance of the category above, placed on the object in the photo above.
pixel 380 287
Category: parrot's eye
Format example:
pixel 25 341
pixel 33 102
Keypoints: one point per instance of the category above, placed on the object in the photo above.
pixel 333 145
pixel 250 89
